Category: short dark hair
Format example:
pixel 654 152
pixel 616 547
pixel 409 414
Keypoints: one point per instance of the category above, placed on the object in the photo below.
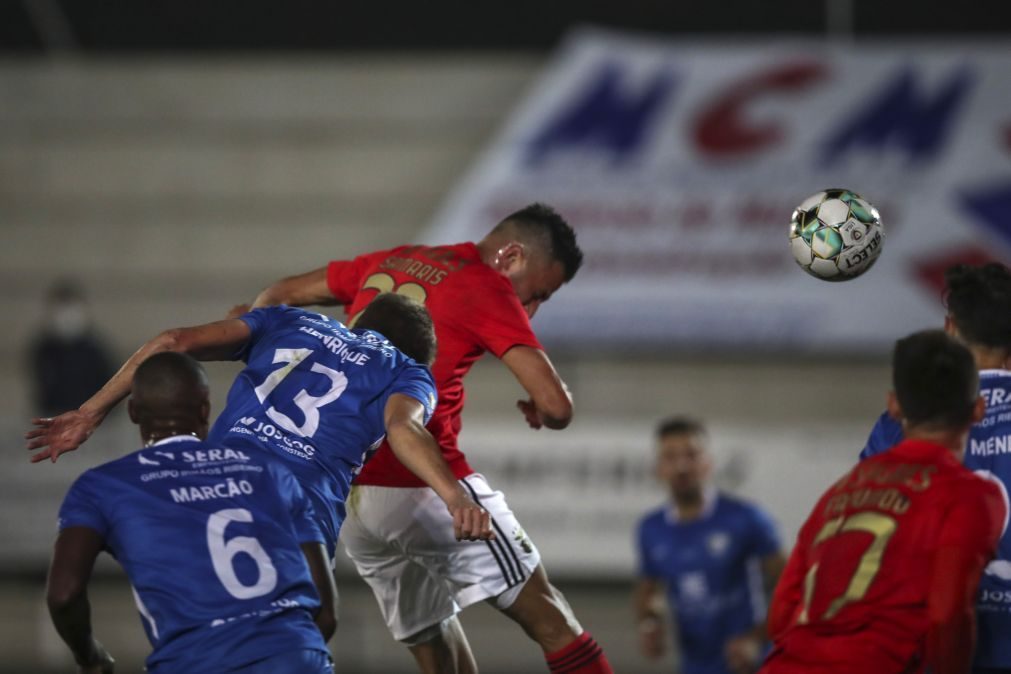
pixel 979 301
pixel 935 380
pixel 403 321
pixel 169 382
pixel 679 426
pixel 559 238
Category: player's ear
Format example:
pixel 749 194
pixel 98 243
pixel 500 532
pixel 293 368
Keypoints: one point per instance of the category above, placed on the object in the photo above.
pixel 893 406
pixel 205 411
pixel 949 326
pixel 132 411
pixel 979 409
pixel 510 258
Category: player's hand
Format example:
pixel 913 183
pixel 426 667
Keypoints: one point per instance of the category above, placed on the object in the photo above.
pixel 238 310
pixel 651 638
pixel 101 663
pixel 471 522
pixel 531 414
pixel 59 435
pixel 742 653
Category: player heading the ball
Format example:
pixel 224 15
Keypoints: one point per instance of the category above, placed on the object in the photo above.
pixel 221 546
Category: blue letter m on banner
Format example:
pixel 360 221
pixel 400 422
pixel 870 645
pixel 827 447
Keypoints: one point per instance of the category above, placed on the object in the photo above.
pixel 604 116
pixel 903 117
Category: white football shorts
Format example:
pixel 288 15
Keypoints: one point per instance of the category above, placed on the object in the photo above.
pixel 401 541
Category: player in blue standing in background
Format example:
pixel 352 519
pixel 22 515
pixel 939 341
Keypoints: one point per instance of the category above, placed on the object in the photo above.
pixel 221 547
pixel 978 300
pixel 717 557
pixel 314 393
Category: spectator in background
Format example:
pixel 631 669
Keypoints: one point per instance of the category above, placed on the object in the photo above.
pixel 716 556
pixel 69 362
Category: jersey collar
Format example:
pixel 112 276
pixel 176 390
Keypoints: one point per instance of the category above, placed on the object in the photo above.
pixel 709 498
pixel 921 449
pixel 995 372
pixel 175 438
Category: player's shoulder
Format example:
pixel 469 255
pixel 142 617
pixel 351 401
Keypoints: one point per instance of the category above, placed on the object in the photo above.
pixel 654 519
pixel 738 508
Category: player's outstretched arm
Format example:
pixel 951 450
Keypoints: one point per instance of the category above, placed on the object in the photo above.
pixel 319 566
pixel 550 402
pixel 66 594
pixel 415 447
pixel 649 615
pixel 220 340
pixel 301 290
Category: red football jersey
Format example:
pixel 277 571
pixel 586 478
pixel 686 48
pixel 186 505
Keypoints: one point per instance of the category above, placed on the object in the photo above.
pixel 474 308
pixel 854 596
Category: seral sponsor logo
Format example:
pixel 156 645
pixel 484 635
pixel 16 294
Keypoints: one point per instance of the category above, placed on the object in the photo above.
pixel 204 456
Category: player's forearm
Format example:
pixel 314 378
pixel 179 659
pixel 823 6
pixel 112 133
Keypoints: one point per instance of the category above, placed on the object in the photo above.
pixel 118 387
pixel 556 408
pixel 72 618
pixel 647 601
pixel 415 447
pixel 297 291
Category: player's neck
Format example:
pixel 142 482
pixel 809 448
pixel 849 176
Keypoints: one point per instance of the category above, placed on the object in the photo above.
pixel 988 358
pixel 488 248
pixel 689 506
pixel 952 440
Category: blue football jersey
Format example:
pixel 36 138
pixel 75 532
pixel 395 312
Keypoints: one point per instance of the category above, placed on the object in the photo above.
pixel 209 537
pixel 988 453
pixel 314 393
pixel 712 568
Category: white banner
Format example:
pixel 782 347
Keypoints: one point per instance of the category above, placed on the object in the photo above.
pixel 580 494
pixel 680 164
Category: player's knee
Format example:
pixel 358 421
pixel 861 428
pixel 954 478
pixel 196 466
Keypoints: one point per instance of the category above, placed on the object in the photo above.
pixel 434 633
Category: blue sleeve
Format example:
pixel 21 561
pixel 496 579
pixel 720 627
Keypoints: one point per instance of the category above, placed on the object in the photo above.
pixel 303 517
pixel 764 538
pixel 416 381
pixel 81 506
pixel 259 322
pixel 887 433
pixel 646 567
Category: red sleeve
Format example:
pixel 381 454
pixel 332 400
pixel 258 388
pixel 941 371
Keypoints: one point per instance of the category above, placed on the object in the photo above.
pixel 967 542
pixel 498 321
pixel 344 277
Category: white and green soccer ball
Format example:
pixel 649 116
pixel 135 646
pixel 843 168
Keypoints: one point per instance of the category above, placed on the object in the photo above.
pixel 836 235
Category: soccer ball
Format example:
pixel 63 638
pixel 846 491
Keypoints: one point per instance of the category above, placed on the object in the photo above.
pixel 836 235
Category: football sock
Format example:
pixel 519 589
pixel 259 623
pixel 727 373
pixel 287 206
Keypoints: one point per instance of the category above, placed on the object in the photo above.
pixel 582 656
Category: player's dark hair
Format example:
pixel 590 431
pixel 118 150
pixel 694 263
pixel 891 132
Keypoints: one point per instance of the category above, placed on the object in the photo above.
pixel 406 323
pixel 935 380
pixel 542 221
pixel 979 301
pixel 169 382
pixel 679 426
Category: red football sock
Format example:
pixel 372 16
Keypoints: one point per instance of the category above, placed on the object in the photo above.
pixel 582 656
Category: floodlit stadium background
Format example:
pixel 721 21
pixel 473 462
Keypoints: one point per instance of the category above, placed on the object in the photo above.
pixel 175 158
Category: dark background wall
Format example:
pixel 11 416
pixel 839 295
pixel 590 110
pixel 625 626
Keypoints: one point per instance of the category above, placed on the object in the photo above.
pixel 125 25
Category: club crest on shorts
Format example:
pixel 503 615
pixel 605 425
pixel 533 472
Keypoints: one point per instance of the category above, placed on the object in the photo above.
pixel 521 539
